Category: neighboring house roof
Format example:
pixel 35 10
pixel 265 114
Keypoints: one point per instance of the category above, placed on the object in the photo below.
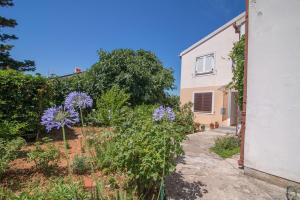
pixel 234 20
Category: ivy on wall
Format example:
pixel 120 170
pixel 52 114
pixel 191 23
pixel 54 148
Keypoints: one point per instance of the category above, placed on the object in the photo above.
pixel 238 57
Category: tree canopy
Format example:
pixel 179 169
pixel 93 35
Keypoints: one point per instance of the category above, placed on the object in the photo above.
pixel 140 73
pixel 6 61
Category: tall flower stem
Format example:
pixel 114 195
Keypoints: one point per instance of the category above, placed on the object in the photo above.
pixel 82 131
pixel 66 149
pixel 83 134
pixel 81 119
pixel 161 193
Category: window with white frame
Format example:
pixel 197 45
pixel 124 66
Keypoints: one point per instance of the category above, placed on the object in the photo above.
pixel 205 64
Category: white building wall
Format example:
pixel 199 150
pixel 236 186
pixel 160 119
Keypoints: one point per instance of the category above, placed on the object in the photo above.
pixel 272 138
pixel 221 45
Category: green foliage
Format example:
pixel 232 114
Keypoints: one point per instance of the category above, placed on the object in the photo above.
pixel 140 73
pixel 10 130
pixel 226 147
pixel 6 61
pixel 60 87
pixel 44 157
pixel 111 107
pixel 10 143
pixel 80 164
pixel 172 101
pixel 185 119
pixel 8 152
pixel 113 182
pixel 23 99
pixel 238 57
pixel 64 190
pixel 138 148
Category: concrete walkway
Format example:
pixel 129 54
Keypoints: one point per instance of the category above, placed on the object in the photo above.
pixel 201 174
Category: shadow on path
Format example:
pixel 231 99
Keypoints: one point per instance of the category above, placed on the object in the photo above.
pixel 177 188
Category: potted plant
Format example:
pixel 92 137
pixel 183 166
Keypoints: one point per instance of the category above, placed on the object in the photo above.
pixel 211 125
pixel 196 127
pixel 202 128
pixel 216 124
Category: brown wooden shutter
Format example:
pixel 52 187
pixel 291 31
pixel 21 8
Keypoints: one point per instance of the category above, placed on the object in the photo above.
pixel 203 102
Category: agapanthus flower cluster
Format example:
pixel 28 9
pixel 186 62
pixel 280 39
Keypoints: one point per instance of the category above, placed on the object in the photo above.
pixel 78 100
pixel 58 117
pixel 162 112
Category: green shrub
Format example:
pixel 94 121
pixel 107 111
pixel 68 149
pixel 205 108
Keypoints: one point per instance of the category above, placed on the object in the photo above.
pixel 60 87
pixel 57 190
pixel 172 101
pixel 10 130
pixel 111 107
pixel 80 164
pixel 226 147
pixel 46 157
pixel 61 190
pixel 10 143
pixel 8 152
pixel 64 190
pixel 138 148
pixel 185 119
pixel 23 99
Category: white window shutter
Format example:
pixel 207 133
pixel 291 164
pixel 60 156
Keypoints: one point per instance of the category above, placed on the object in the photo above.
pixel 199 65
pixel 209 63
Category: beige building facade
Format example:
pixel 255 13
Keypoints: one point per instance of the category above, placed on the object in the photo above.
pixel 206 71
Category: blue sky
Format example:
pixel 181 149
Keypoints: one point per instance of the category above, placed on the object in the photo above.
pixel 62 34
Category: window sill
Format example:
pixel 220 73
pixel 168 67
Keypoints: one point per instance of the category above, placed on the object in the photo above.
pixel 205 73
pixel 203 113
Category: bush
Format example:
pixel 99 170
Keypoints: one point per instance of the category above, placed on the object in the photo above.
pixel 23 99
pixel 80 164
pixel 10 130
pixel 44 158
pixel 60 87
pixel 185 119
pixel 111 107
pixel 10 143
pixel 57 190
pixel 226 147
pixel 8 152
pixel 138 148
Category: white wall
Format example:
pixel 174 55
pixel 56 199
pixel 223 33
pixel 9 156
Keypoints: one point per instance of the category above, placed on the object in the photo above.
pixel 272 138
pixel 221 44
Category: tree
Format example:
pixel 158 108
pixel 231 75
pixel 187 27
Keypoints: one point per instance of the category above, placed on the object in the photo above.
pixel 6 61
pixel 238 57
pixel 140 73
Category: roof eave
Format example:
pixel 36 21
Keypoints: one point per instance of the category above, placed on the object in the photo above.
pixel 212 34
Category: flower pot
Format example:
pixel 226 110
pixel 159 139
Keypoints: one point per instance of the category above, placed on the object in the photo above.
pixel 211 125
pixel 216 125
pixel 202 128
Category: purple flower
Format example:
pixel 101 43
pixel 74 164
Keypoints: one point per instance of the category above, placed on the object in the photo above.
pixel 170 114
pixel 58 117
pixel 78 100
pixel 158 113
pixel 162 112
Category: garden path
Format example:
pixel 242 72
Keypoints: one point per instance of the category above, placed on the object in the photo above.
pixel 201 174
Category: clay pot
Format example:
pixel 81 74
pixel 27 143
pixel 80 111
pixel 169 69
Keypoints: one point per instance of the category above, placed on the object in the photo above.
pixel 216 125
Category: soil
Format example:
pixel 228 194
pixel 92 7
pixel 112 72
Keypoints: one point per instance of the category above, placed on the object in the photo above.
pixel 22 174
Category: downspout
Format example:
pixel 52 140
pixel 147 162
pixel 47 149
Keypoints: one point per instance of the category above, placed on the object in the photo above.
pixel 243 128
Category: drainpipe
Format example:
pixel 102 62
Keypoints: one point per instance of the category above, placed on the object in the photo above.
pixel 243 128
